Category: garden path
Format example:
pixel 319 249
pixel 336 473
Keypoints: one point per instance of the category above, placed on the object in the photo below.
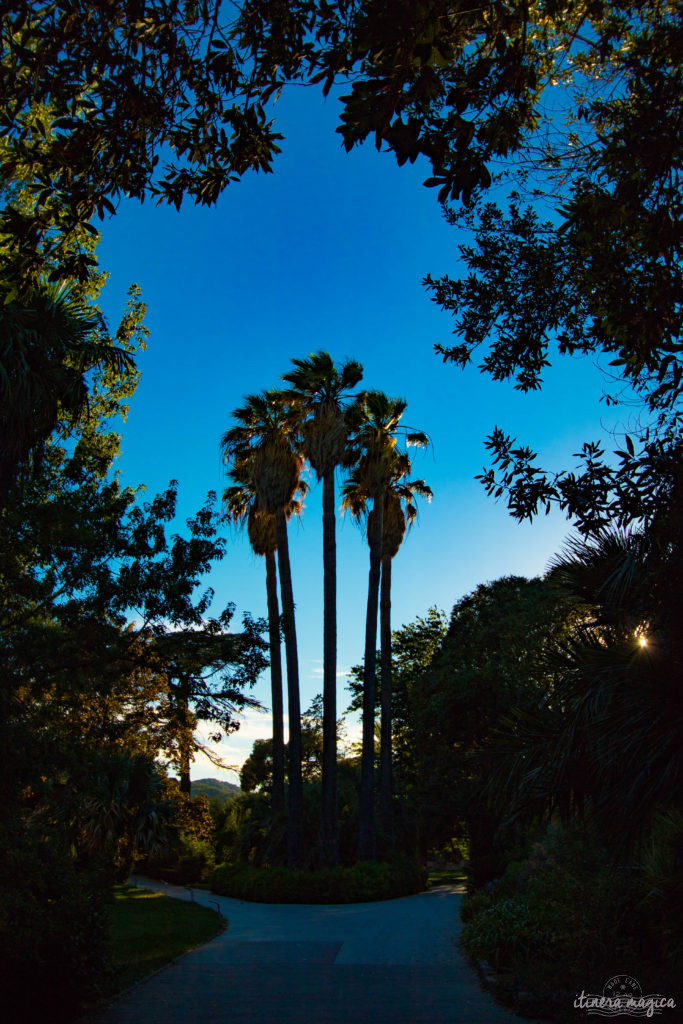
pixel 394 962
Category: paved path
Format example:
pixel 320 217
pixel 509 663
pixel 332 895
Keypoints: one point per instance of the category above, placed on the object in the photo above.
pixel 394 962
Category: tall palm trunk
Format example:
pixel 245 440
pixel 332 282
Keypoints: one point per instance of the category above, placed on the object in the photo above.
pixel 328 814
pixel 366 828
pixel 278 799
pixel 296 797
pixel 385 779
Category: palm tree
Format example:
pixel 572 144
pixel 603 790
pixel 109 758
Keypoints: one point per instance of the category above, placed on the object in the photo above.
pixel 122 813
pixel 264 444
pixel 620 685
pixel 47 345
pixel 241 507
pixel 320 390
pixel 399 514
pixel 374 445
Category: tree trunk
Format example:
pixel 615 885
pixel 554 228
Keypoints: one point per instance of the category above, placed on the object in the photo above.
pixel 385 775
pixel 328 811
pixel 185 784
pixel 366 826
pixel 278 798
pixel 296 796
pixel 184 738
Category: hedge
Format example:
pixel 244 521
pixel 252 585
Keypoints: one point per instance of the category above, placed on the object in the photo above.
pixel 362 883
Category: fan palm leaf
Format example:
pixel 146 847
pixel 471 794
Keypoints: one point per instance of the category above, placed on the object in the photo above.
pixel 47 347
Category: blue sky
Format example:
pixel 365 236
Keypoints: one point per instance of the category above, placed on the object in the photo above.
pixel 328 252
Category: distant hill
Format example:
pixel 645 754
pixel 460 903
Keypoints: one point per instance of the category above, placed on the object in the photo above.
pixel 215 789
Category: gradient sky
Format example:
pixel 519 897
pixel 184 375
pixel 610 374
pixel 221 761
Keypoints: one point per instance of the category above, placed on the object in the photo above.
pixel 328 252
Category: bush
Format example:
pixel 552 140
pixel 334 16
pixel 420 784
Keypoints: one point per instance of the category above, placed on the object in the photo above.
pixel 185 862
pixel 561 903
pixel 362 883
pixel 53 928
pixel 196 862
pixel 475 903
pixel 247 833
pixel 191 815
pixel 564 920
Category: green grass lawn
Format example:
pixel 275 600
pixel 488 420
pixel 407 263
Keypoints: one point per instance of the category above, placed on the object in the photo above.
pixel 149 929
pixel 446 878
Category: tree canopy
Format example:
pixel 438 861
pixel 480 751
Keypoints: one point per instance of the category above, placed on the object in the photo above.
pixel 117 87
pixel 576 109
pixel 101 614
pixel 587 259
pixel 494 657
pixel 120 88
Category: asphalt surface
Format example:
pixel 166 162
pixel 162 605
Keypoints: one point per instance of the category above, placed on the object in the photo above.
pixel 394 962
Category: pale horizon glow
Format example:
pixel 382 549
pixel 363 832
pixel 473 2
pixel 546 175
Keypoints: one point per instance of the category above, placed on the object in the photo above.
pixel 236 747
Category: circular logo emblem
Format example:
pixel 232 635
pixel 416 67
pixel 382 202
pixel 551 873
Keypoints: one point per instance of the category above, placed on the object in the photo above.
pixel 622 985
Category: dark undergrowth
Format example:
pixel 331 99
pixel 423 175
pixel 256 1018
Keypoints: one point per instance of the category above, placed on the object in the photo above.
pixel 362 883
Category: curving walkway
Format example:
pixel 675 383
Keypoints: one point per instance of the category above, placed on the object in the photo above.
pixel 395 962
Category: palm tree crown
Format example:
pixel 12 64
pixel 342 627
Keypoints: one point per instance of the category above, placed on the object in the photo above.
pixel 264 444
pixel 321 391
pixel 47 346
pixel 375 435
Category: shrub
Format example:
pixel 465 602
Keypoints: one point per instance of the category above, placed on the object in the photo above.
pixel 196 861
pixel 564 919
pixel 186 861
pixel 53 928
pixel 476 902
pixel 247 833
pixel 503 930
pixel 362 883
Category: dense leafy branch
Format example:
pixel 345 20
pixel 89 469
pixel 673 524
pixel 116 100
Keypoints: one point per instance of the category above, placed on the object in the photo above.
pixel 122 87
pixel 600 274
pixel 642 485
pixel 119 85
